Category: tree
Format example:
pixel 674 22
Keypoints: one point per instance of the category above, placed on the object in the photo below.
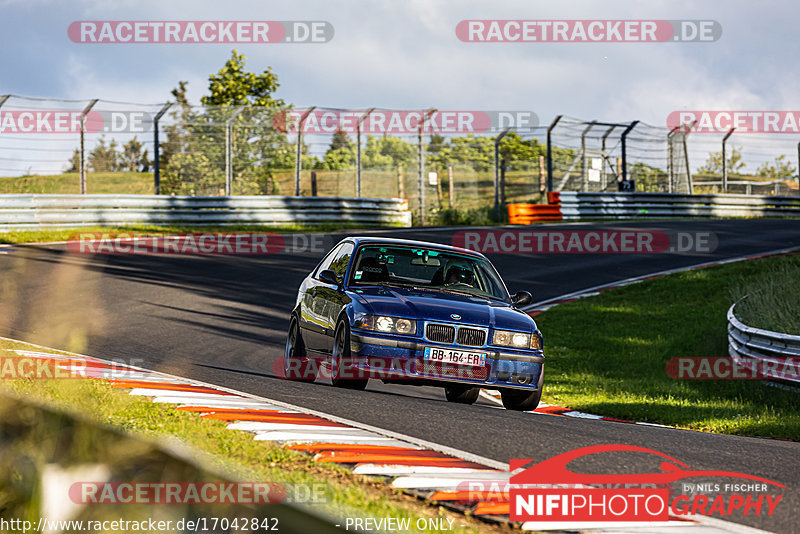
pixel 74 163
pixel 388 152
pixel 104 157
pixel 195 147
pixel 133 158
pixel 341 153
pixel 779 168
pixel 713 164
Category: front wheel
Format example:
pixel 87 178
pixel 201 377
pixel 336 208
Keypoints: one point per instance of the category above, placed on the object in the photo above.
pixel 461 394
pixel 521 400
pixel 342 374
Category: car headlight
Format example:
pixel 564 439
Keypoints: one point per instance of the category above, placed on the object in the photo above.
pixel 384 323
pixel 505 338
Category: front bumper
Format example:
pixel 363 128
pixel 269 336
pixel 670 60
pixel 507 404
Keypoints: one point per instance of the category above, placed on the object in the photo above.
pixel 397 357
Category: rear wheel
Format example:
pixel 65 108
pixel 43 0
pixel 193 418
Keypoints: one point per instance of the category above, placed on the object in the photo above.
pixel 461 394
pixel 296 365
pixel 342 374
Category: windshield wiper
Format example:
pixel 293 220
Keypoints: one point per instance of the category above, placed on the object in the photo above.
pixel 467 293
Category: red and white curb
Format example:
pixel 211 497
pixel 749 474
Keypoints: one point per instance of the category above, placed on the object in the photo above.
pixel 427 470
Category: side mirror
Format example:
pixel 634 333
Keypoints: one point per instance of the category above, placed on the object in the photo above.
pixel 329 277
pixel 522 298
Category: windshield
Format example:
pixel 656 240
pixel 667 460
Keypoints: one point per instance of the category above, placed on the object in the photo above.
pixel 427 269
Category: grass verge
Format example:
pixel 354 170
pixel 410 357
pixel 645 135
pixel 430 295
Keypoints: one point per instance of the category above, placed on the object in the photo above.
pixel 52 235
pixel 607 354
pixel 346 494
pixel 771 299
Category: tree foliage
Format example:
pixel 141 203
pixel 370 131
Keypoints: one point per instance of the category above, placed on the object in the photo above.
pixel 778 169
pixel 734 163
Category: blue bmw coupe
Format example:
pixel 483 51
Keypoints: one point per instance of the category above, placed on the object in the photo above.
pixel 415 313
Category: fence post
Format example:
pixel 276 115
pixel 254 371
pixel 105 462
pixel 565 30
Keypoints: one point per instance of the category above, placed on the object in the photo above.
pixel 421 166
pixel 798 168
pixel 86 110
pixel 584 181
pixel 297 163
pixel 542 177
pixel 358 150
pixel 313 183
pixel 452 196
pixel 497 172
pixel 725 163
pixel 503 182
pixel 550 153
pixel 156 164
pixel 603 181
pixel 401 193
pixel 686 162
pixel 229 153
pixel 670 164
pixel 623 138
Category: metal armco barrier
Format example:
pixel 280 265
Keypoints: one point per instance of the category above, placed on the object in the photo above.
pixel 746 343
pixel 40 211
pixel 576 205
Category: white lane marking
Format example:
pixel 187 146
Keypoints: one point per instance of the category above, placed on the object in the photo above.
pixel 220 405
pixel 145 392
pixel 346 441
pixel 488 396
pixel 581 415
pixel 263 426
pixel 320 437
pixel 397 470
pixel 444 481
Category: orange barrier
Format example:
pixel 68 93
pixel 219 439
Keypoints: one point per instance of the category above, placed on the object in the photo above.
pixel 492 508
pixel 528 213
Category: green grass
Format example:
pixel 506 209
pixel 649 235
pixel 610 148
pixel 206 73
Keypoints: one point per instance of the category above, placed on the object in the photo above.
pixel 771 299
pixel 120 183
pixel 51 235
pixel 607 355
pixel 347 495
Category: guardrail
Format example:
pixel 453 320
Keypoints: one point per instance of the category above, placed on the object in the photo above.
pixel 577 205
pixel 53 211
pixel 746 344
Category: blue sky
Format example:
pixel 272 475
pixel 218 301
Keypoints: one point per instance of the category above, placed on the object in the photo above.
pixel 405 55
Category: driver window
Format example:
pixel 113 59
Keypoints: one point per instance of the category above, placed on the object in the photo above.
pixel 341 259
pixel 326 263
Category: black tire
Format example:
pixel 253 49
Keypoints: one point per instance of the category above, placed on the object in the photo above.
pixel 520 400
pixel 340 357
pixel 462 394
pixel 296 364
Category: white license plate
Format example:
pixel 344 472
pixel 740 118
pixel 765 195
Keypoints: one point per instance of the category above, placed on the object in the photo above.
pixel 459 357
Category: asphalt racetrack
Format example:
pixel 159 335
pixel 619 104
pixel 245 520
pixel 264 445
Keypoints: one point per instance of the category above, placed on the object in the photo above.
pixel 223 319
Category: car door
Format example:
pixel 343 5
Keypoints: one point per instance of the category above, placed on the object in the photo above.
pixel 313 315
pixel 332 297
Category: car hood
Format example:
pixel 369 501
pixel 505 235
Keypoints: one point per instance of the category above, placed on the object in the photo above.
pixel 439 306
